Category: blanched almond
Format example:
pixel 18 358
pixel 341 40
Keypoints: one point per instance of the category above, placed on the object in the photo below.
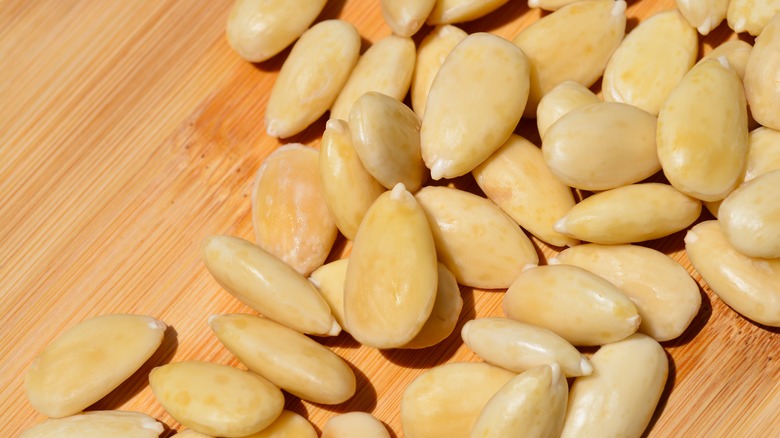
pixel 474 239
pixel 750 216
pixel 268 285
pixel 287 425
pixel 386 67
pixel 474 104
pixel 518 347
pixel 446 400
pixel 289 214
pixel 431 53
pixel 189 433
pixel 665 295
pixel 751 15
pixel 87 361
pixel 216 399
pixel 549 5
pixel 748 285
pixel 577 305
pixel 703 15
pixel 354 425
pixel 406 17
pixel 391 279
pixel 561 100
pixel 737 53
pixel 445 313
pixel 762 80
pixel 457 11
pixel 329 280
pixel 633 213
pixel 311 77
pixel 573 43
pixel 98 424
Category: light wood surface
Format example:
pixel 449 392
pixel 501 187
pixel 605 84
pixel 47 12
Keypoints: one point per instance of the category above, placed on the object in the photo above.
pixel 129 131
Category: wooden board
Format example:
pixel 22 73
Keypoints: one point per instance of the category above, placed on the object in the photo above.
pixel 129 131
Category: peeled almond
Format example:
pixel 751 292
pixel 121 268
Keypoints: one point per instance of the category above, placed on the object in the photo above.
pixel 446 400
pixel 329 280
pixel 751 16
pixel 390 287
pixel 431 53
pixel 750 216
pixel 561 100
pixel 288 359
pixel 457 11
pixel 577 305
pixel 633 213
pixel 737 53
pixel 445 313
pixel 762 74
pixel 259 29
pixel 619 398
pixel 549 5
pixel 474 104
pixel 406 17
pixel 518 347
pixel 268 285
pixel 573 43
pixel 703 15
pixel 354 425
pixel 650 61
pixel 98 424
pixel 189 433
pixel 475 240
pixel 290 217
pixel 287 425
pixel 749 285
pixel 602 146
pixel 89 360
pixel 311 77
pixel 216 399
pixel 386 67
pixel 702 132
pixel 532 404
pixel 386 136
pixel 665 295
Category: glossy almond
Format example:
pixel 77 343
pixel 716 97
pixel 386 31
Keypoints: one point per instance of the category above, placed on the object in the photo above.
pixel 561 100
pixel 98 424
pixel 748 285
pixel 576 304
pixel 329 280
pixel 474 239
pixel 406 17
pixel 457 11
pixel 573 43
pixel 287 425
pixel 602 146
pixel 216 399
pixel 737 53
pixel 431 53
pixel 474 104
pixel 445 312
pixel 311 77
pixel 750 216
pixel 87 361
pixel 390 287
pixel 751 16
pixel 703 15
pixel 288 359
pixel 289 215
pixel 268 285
pixel 702 132
pixel 446 400
pixel 354 425
pixel 762 86
pixel 518 347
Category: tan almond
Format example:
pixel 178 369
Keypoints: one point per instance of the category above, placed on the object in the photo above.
pixel 354 425
pixel 750 216
pixel 431 53
pixel 762 86
pixel 406 17
pixel 703 15
pixel 458 11
pixel 751 16
pixel 445 313
pixel 287 425
pixel 98 424
pixel 559 101
pixel 329 280
pixel 737 53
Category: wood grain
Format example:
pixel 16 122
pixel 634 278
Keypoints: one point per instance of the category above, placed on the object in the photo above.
pixel 129 131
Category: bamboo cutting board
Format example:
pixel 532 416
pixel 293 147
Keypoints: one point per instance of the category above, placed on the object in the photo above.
pixel 129 131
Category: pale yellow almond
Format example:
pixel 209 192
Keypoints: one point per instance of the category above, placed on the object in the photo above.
pixel 431 53
pixel 287 425
pixel 702 132
pixel 311 77
pixel 573 43
pixel 386 67
pixel 737 53
pixel 189 433
pixel 750 216
pixel 518 180
pixel 619 398
pixel 475 240
pixel 703 15
pixel 577 305
pixel 216 399
pixel 762 75
pixel 602 146
pixel 749 285
pixel 446 400
pixel 550 5
pixel 259 29
pixel 445 313
pixel 87 361
pixel 329 279
pixel 406 17
pixel 633 213
pixel 458 11
pixel 651 61
pixel 532 404
pixel 354 425
pixel 268 285
pixel 665 295
pixel 391 280
pixel 386 137
pixel 98 424
pixel 518 347
pixel 290 217
pixel 474 104
pixel 288 359
pixel 751 16
pixel 348 189
pixel 559 101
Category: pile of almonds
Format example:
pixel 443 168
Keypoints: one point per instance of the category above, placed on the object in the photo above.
pixel 413 242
